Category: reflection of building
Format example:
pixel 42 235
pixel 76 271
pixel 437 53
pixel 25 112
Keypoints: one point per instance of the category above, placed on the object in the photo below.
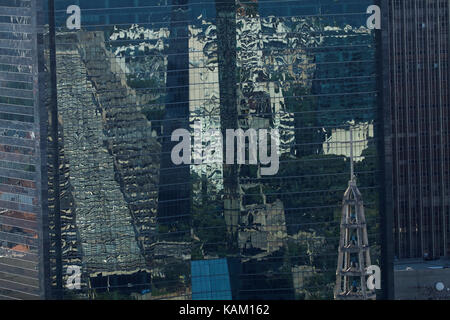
pixel 204 106
pixel 110 205
pixel 354 250
pixel 243 69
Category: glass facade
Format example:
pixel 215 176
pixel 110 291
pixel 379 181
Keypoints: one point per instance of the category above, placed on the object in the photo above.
pixel 20 203
pixel 138 226
pixel 417 50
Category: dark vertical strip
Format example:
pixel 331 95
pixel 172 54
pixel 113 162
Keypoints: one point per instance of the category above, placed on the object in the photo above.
pixel 447 101
pixel 430 154
pixel 419 93
pixel 385 155
pixel 41 117
pixel 174 192
pixel 228 75
pixel 440 138
pixel 226 50
pixel 53 109
pixel 406 150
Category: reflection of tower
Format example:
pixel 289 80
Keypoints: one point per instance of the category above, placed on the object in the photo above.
pixel 354 253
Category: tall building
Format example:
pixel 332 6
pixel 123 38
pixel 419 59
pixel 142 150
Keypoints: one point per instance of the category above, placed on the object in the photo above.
pixel 416 65
pixel 20 159
pixel 415 46
pixel 136 225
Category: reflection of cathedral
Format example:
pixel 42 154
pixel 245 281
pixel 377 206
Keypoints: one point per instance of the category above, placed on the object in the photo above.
pixel 354 250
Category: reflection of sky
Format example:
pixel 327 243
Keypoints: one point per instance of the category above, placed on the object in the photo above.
pixel 204 96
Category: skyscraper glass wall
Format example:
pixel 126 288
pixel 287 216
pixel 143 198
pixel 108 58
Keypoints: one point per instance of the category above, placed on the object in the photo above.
pixel 135 224
pixel 417 61
pixel 20 179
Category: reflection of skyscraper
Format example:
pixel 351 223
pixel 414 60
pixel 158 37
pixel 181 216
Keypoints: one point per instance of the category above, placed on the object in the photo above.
pixel 354 250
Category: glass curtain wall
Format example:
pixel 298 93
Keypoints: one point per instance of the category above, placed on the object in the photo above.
pixel 138 226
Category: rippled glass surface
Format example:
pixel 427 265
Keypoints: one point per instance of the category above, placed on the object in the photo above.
pixel 140 227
